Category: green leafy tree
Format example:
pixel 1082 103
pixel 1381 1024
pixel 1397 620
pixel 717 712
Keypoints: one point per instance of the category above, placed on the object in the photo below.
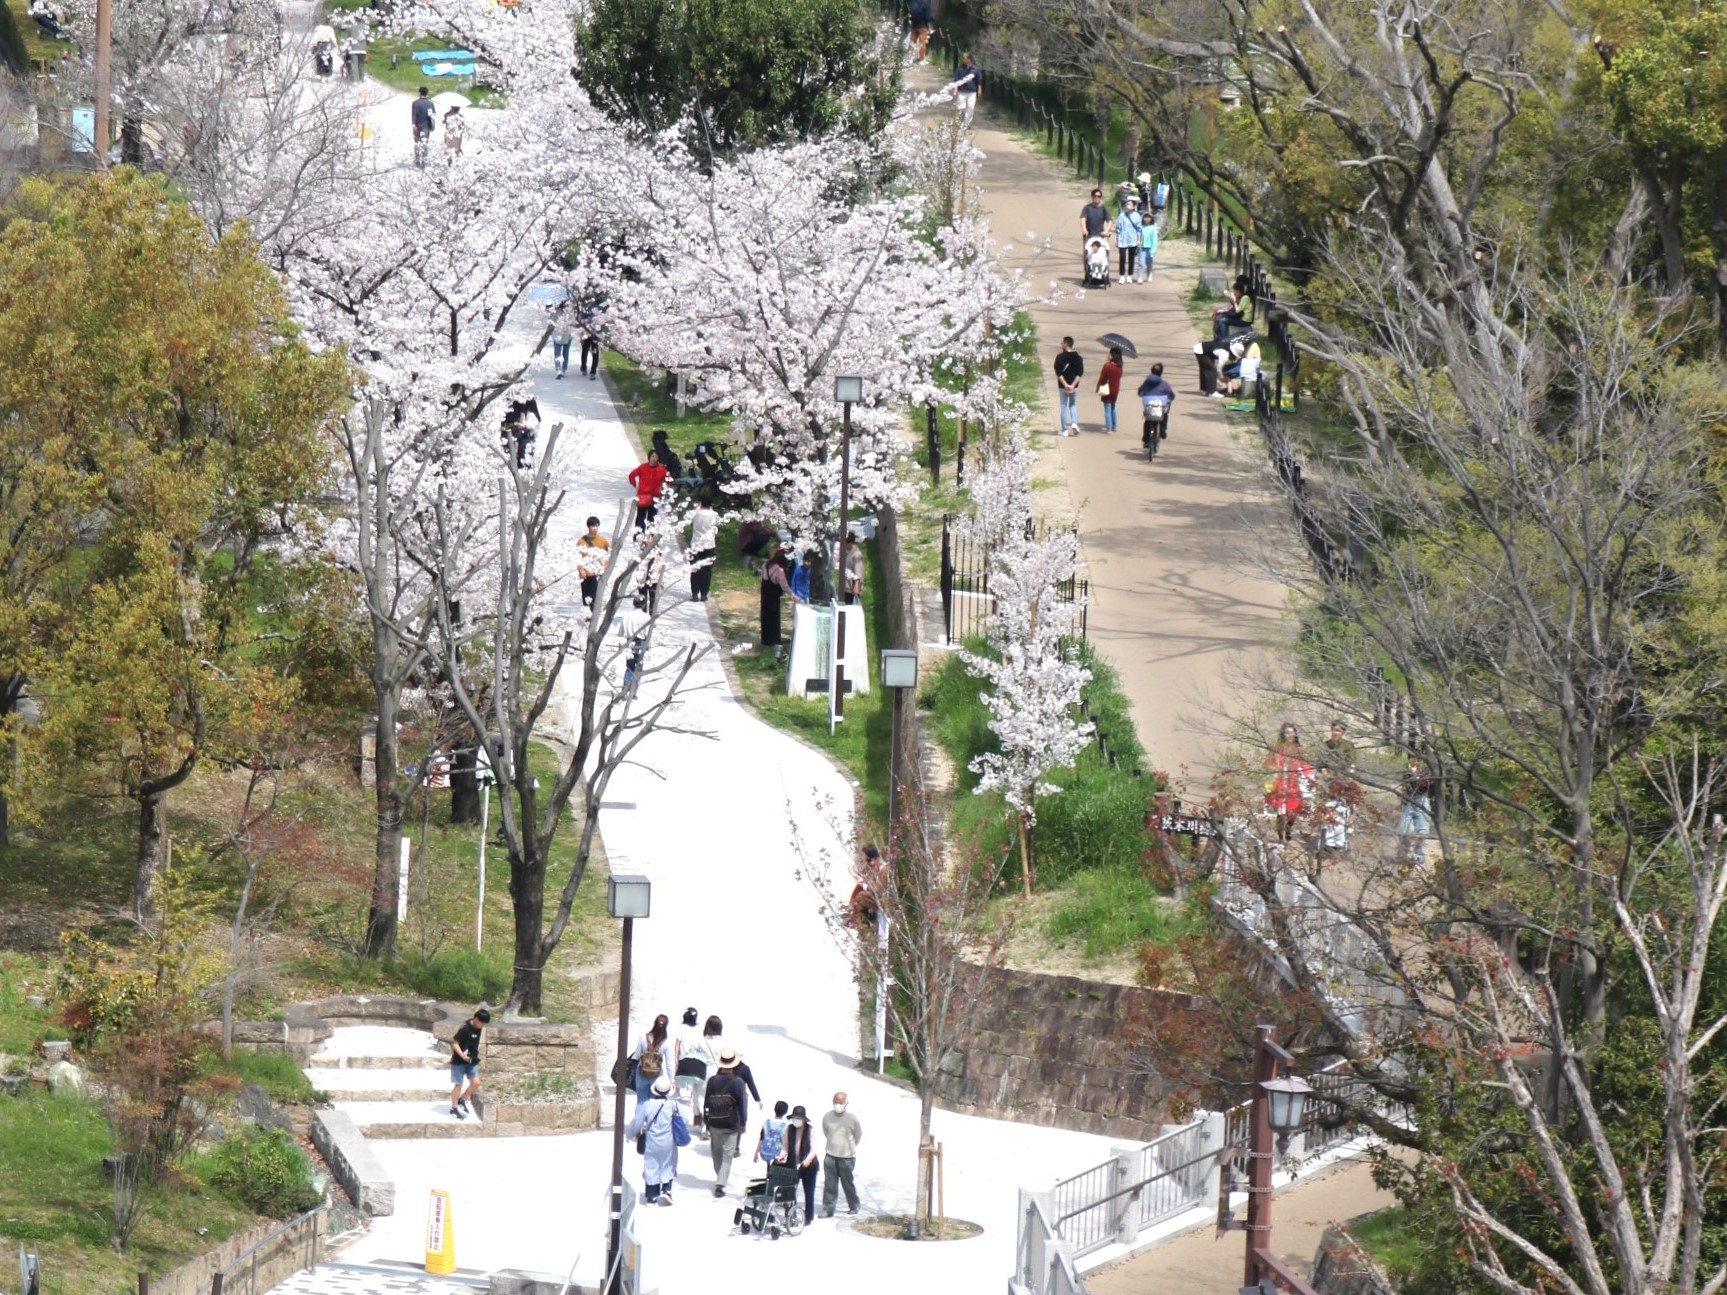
pixel 746 72
pixel 163 368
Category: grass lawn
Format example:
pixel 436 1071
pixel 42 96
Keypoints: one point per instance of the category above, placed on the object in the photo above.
pixel 37 45
pixel 53 1194
pixel 76 872
pixel 1094 905
pixel 862 740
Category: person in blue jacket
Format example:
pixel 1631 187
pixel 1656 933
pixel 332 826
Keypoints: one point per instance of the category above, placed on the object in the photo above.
pixel 1129 229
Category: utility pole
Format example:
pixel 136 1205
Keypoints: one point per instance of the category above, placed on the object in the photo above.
pixel 104 77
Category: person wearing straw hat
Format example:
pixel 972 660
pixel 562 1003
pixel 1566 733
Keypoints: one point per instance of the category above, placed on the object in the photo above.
pixel 725 1110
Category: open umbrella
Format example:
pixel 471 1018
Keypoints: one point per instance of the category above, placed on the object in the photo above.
pixel 548 294
pixel 1116 339
pixel 444 100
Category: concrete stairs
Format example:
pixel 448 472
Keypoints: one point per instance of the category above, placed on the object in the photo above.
pixel 391 1081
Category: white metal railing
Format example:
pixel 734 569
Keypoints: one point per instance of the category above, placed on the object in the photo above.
pixel 1044 1264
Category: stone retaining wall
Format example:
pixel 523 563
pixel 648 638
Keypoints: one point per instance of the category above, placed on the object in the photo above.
pixel 1047 1050
pixel 1340 1267
pixel 253 1261
pixel 353 1163
pixel 511 1047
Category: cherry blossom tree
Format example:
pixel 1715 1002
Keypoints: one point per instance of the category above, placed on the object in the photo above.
pixel 1032 666
pixel 788 267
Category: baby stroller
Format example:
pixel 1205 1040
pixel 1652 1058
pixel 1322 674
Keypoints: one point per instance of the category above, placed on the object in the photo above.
pixel 1096 262
pixel 771 1204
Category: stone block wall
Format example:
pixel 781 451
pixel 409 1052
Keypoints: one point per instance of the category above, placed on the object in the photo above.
pixel 1049 1050
pixel 253 1261
pixel 1340 1267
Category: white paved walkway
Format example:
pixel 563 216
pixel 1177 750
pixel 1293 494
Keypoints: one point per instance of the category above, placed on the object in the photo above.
pixel 736 932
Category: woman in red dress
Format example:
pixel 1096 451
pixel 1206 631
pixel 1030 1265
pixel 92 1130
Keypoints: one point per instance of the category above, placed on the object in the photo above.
pixel 1291 776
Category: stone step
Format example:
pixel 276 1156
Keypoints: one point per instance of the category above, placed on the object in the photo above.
pixel 379 1047
pixel 410 1119
pixel 358 1084
pixel 430 1060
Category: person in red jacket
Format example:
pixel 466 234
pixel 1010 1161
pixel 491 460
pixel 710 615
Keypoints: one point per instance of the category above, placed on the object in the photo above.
pixel 1109 387
pixel 648 479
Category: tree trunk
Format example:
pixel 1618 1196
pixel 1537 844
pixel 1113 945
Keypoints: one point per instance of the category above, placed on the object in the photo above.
pixel 1025 851
pixel 925 1207
pixel 152 852
pixel 528 893
pixel 381 919
pixel 464 787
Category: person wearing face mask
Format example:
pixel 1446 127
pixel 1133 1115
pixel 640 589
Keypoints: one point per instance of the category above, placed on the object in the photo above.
pixel 843 1133
pixel 799 1151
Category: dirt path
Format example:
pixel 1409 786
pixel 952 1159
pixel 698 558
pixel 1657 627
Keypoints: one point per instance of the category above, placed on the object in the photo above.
pixel 1177 605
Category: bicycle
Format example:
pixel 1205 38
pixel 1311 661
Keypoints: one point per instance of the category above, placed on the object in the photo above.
pixel 1155 427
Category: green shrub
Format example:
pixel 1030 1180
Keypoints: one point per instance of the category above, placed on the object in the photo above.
pixel 1115 911
pixel 459 976
pixel 1096 822
pixel 264 1170
pixel 276 1074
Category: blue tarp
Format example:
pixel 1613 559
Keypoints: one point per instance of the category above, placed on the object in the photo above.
pixel 446 69
pixel 444 56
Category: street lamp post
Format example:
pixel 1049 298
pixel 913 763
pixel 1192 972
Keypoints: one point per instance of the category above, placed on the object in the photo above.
pixel 1274 1114
pixel 899 673
pixel 627 897
pixel 847 391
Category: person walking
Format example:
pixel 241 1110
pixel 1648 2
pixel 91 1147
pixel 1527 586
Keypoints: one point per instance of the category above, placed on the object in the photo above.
pixel 425 119
pixel 591 549
pixel 1069 368
pixel 562 336
pixel 453 130
pixel 649 479
pixel 591 317
pixel 919 30
pixel 694 1058
pixel 704 544
pixel 966 86
pixel 843 1132
pixel 1415 819
pixel 1148 240
pixel 800 1153
pixel 725 1110
pixel 771 1140
pixel 465 1063
pixel 657 1119
pixel 1093 221
pixel 654 1057
pixel 1290 780
pixel 1109 386
pixel 1128 228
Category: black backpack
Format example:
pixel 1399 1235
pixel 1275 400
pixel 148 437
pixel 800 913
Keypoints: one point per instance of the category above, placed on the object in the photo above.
pixel 720 1111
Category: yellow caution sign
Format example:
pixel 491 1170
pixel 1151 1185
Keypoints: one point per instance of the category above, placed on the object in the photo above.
pixel 440 1234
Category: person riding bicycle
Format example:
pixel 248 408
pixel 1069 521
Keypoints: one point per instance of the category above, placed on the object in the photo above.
pixel 1156 395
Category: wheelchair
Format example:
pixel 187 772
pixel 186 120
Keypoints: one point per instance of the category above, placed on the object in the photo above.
pixel 771 1205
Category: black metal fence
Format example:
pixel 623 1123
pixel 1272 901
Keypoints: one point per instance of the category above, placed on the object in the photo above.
pixel 966 600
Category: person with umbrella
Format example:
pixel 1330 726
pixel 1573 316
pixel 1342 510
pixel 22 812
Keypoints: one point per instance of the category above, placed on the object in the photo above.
pixel 1109 386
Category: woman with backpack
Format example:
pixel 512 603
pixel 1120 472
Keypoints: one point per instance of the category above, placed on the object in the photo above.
pixel 654 1056
pixel 656 1124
